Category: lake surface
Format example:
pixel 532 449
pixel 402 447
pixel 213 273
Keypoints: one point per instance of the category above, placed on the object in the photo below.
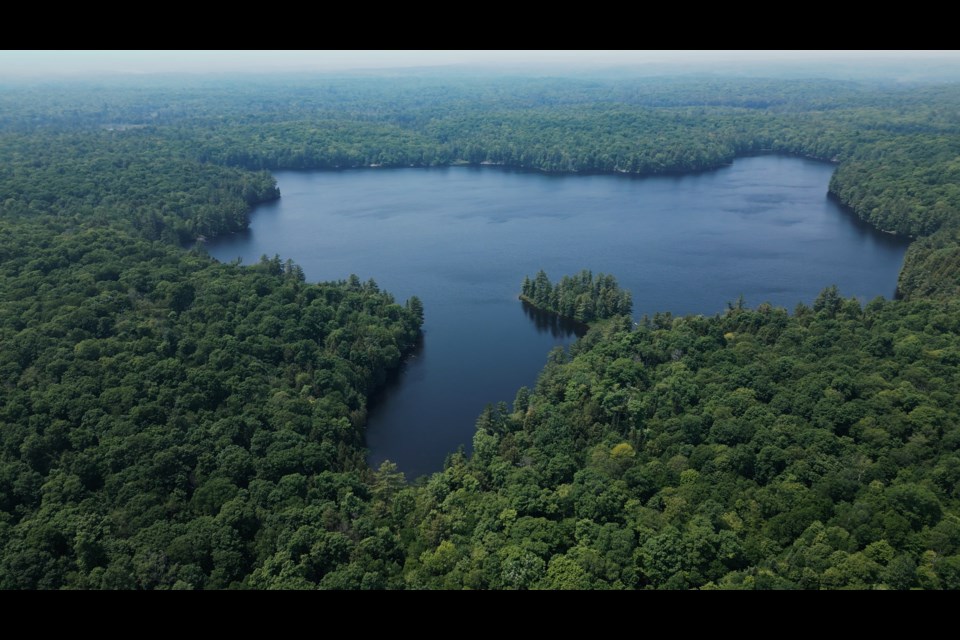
pixel 463 238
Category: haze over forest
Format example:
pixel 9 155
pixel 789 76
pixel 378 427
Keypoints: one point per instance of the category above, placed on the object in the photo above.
pixel 902 65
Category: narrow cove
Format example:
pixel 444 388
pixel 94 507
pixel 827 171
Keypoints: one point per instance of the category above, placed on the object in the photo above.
pixel 463 238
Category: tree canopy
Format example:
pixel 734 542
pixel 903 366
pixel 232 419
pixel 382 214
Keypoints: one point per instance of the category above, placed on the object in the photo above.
pixel 581 297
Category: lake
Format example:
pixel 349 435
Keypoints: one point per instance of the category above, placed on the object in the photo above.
pixel 463 238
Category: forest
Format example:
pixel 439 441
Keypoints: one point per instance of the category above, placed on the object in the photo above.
pixel 171 422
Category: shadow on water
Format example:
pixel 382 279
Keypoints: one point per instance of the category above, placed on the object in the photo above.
pixel 556 326
pixel 394 383
pixel 865 230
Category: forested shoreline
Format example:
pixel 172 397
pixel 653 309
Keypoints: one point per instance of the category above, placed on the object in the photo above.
pixel 171 422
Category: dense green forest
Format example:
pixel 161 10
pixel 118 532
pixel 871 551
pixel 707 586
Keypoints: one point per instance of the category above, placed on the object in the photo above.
pixel 748 450
pixel 167 421
pixel 581 297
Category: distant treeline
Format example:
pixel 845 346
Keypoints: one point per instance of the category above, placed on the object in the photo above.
pixel 583 297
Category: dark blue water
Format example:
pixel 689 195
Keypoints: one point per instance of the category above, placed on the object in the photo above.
pixel 462 239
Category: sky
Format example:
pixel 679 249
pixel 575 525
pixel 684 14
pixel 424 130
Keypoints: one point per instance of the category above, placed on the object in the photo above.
pixel 38 63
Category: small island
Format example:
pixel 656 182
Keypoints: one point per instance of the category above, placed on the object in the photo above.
pixel 582 297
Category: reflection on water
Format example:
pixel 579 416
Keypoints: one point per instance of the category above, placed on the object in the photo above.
pixel 556 326
pixel 405 374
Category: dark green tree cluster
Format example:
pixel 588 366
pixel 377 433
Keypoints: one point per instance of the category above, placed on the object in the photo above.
pixel 882 183
pixel 583 297
pixel 171 422
pixel 931 267
pixel 132 179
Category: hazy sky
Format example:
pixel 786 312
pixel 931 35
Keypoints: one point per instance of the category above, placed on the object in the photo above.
pixel 51 63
